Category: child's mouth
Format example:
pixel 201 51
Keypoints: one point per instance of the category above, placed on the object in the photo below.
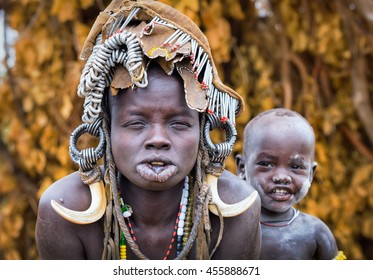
pixel 280 194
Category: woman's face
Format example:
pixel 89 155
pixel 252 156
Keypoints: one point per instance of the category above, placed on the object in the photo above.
pixel 154 134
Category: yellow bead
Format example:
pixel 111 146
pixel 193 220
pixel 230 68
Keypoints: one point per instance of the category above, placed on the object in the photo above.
pixel 123 252
pixel 340 256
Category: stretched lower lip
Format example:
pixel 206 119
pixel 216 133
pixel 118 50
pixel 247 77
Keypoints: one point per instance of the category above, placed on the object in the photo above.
pixel 156 173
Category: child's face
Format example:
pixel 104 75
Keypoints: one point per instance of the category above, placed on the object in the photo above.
pixel 154 134
pixel 279 162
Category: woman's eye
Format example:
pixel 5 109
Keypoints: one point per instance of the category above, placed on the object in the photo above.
pixel 135 125
pixel 180 125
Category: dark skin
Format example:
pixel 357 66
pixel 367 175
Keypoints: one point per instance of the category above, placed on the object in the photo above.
pixel 278 162
pixel 154 138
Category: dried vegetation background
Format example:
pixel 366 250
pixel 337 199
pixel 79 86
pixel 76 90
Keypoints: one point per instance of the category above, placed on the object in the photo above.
pixel 312 56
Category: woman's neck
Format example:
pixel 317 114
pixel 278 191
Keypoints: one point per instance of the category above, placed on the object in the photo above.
pixel 151 207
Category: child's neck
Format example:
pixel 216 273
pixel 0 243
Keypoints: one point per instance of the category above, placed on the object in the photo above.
pixel 278 219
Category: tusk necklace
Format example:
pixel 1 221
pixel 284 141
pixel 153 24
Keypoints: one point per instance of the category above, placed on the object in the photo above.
pixel 181 229
pixel 274 223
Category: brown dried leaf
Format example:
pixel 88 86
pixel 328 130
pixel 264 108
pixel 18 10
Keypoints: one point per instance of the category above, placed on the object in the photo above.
pixel 367 226
pixel 64 10
pixel 362 175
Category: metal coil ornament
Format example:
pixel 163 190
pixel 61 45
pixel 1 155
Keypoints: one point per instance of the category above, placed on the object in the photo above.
pixel 218 152
pixel 122 48
pixel 87 158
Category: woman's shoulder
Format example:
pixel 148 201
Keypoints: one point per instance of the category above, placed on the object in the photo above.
pixel 233 189
pixel 69 191
pixel 232 183
pixel 58 238
pixel 242 241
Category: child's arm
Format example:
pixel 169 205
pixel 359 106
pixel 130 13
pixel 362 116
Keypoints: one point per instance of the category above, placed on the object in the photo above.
pixel 326 245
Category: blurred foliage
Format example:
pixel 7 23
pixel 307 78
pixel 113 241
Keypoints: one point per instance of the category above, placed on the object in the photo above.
pixel 314 57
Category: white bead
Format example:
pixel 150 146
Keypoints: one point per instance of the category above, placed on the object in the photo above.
pixel 182 216
pixel 127 214
pixel 183 209
pixel 184 201
pixel 185 193
pixel 180 231
pixel 181 224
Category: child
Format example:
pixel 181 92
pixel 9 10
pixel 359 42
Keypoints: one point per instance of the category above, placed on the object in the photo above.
pixel 151 92
pixel 278 161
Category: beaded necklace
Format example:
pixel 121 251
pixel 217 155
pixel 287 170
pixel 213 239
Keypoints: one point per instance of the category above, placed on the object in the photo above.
pixel 273 223
pixel 182 222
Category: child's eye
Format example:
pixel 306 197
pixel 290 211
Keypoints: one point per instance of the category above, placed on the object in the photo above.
pixel 297 166
pixel 265 163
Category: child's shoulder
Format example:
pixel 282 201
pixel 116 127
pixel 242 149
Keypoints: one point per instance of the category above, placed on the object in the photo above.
pixel 309 218
pixel 322 234
pixel 313 223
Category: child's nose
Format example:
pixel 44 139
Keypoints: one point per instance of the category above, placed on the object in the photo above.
pixel 281 178
pixel 158 138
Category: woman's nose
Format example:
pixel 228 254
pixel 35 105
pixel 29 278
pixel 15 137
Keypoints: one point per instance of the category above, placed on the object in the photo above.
pixel 158 138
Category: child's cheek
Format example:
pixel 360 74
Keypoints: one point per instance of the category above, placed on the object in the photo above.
pixel 304 189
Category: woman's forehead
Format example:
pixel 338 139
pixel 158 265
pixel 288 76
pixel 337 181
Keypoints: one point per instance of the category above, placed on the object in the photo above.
pixel 158 83
pixel 164 96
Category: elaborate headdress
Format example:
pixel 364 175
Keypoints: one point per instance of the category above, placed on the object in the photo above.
pixel 125 36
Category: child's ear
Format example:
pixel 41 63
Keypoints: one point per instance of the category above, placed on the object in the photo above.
pixel 313 170
pixel 240 167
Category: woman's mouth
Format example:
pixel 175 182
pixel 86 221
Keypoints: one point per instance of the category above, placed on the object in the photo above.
pixel 156 171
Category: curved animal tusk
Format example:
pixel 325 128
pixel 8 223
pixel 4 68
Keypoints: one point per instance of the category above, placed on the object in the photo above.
pixel 92 214
pixel 227 210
